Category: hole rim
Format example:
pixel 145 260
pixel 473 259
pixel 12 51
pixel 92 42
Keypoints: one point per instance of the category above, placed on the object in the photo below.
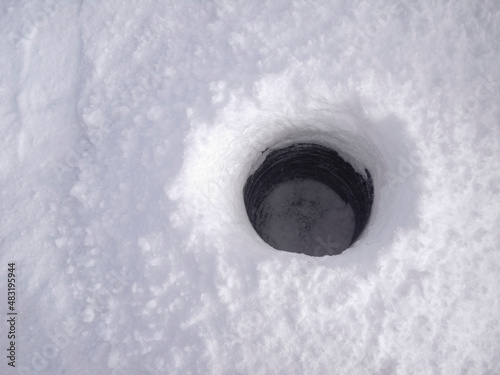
pixel 328 166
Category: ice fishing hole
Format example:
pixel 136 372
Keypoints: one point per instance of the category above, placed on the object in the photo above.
pixel 305 198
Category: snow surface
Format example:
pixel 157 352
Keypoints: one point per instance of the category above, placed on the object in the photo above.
pixel 128 129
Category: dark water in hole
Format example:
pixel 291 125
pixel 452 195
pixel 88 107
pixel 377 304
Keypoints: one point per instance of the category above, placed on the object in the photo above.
pixel 306 198
pixel 306 216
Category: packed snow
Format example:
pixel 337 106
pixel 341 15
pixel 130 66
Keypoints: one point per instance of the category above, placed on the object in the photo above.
pixel 128 129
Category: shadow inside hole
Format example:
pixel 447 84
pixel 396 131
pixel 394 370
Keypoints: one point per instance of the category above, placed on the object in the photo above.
pixel 305 198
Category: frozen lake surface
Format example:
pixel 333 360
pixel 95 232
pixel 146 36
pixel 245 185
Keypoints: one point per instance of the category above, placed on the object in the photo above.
pixel 128 130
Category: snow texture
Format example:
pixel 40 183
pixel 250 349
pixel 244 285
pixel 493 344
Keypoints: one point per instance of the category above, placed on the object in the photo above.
pixel 128 129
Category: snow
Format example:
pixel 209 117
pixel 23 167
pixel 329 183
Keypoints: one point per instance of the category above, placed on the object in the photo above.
pixel 129 128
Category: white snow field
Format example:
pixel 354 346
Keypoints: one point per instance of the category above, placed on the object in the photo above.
pixel 128 129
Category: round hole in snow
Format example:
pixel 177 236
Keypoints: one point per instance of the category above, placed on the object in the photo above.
pixel 305 198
